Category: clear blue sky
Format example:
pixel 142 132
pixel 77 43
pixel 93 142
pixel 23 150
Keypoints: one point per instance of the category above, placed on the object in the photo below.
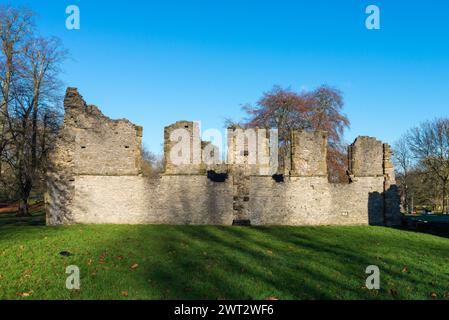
pixel 155 62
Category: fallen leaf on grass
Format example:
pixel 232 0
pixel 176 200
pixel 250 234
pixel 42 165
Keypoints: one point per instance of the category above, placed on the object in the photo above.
pixel 27 273
pixel 446 295
pixel 134 266
pixel 124 293
pixel 24 294
pixel 272 298
pixel 434 295
pixel 404 270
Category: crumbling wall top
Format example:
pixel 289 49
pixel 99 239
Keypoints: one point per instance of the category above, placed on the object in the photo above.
pixel 366 157
pixel 99 144
pixel 309 153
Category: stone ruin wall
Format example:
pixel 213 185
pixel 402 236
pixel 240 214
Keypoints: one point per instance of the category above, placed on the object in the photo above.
pixel 95 177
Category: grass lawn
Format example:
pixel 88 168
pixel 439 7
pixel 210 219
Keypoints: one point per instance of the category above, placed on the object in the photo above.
pixel 205 262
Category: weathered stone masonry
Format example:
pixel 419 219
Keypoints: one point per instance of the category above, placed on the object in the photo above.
pixel 95 177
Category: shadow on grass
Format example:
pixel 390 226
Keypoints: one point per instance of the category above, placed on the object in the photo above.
pixel 205 262
pixel 14 227
pixel 288 263
pixel 423 224
pixel 240 265
pixel 11 219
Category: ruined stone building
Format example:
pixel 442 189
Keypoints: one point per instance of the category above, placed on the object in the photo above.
pixel 95 177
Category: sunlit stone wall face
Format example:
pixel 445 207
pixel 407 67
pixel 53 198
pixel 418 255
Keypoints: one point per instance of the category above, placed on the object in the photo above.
pixel 95 177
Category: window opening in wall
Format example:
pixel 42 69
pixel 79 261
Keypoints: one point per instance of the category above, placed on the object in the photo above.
pixel 216 177
pixel 278 178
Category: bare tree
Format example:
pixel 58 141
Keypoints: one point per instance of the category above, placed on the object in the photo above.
pixel 33 118
pixel 30 97
pixel 403 159
pixel 430 146
pixel 152 164
pixel 16 26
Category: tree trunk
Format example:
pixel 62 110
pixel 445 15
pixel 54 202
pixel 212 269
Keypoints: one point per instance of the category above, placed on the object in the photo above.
pixel 444 196
pixel 25 188
pixel 34 132
pixel 24 208
pixel 406 203
pixel 4 108
pixel 6 87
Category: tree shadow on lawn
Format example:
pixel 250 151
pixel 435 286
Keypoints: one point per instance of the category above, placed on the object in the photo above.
pixel 287 263
pixel 256 263
pixel 206 262
pixel 403 269
pixel 24 228
pixel 435 229
pixel 242 267
pixel 12 226
pixel 37 218
pixel 33 221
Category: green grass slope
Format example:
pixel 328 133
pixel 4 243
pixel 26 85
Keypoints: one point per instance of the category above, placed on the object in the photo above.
pixel 205 262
